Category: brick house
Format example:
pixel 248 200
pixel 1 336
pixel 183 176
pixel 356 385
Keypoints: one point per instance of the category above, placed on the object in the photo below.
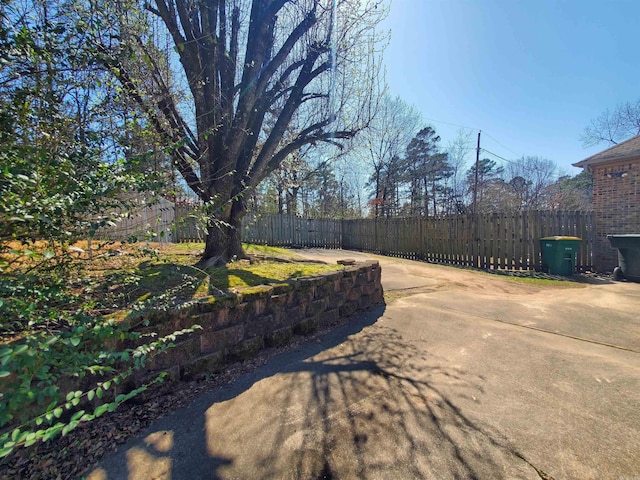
pixel 616 196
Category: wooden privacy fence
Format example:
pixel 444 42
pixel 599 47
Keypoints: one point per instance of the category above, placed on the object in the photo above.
pixel 493 241
pixel 150 220
pixel 186 227
pixel 292 231
pixel 156 220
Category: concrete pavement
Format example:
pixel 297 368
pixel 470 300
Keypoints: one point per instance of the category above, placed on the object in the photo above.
pixel 462 375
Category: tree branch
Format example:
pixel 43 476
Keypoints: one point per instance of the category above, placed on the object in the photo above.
pixel 182 147
pixel 327 137
pixel 309 21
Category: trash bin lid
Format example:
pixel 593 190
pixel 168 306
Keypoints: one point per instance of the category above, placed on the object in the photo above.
pixel 560 237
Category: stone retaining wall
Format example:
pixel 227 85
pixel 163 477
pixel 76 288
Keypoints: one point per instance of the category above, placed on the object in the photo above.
pixel 236 327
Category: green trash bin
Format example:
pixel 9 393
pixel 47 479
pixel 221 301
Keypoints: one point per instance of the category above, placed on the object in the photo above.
pixel 559 254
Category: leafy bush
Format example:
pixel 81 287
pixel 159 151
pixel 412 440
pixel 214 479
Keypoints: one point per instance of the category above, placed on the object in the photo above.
pixel 62 169
pixel 52 342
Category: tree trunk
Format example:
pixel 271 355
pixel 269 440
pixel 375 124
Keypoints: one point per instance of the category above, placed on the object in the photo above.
pixel 435 199
pixel 292 207
pixel 426 198
pixel 280 200
pixel 224 238
pixel 377 213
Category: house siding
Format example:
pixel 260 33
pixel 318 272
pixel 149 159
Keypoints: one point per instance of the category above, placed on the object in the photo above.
pixel 616 203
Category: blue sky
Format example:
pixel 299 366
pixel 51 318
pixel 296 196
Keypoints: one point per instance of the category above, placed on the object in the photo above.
pixel 529 74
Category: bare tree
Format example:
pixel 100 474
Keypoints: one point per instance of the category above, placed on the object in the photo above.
pixel 264 78
pixel 355 185
pixel 458 150
pixel 612 127
pixel 530 178
pixel 289 178
pixel 349 170
pixel 383 143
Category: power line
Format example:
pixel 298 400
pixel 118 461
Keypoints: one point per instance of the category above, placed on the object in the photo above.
pixel 520 165
pixel 451 124
pixel 523 166
pixel 488 135
pixel 475 129
pixel 497 156
pixel 502 145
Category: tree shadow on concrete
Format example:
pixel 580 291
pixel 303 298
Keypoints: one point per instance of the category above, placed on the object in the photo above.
pixel 377 406
pixel 362 403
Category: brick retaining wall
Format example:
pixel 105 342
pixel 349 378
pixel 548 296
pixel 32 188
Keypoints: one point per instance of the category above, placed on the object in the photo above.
pixel 236 327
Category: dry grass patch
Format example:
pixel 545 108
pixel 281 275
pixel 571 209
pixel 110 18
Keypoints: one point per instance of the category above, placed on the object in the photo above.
pixel 118 275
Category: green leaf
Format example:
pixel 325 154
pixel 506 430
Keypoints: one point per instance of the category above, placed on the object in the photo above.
pixel 20 349
pixel 100 410
pixel 52 432
pixel 106 385
pixel 30 439
pixel 58 412
pixel 5 451
pixel 91 394
pixel 76 416
pixel 99 392
pixel 4 373
pixel 75 341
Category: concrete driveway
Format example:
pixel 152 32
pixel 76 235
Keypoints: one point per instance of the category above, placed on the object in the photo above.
pixel 462 375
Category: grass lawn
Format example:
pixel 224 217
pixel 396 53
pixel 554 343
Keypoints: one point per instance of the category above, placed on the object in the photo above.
pixel 112 277
pixel 119 276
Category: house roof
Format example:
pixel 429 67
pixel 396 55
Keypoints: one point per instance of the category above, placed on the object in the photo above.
pixel 628 149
